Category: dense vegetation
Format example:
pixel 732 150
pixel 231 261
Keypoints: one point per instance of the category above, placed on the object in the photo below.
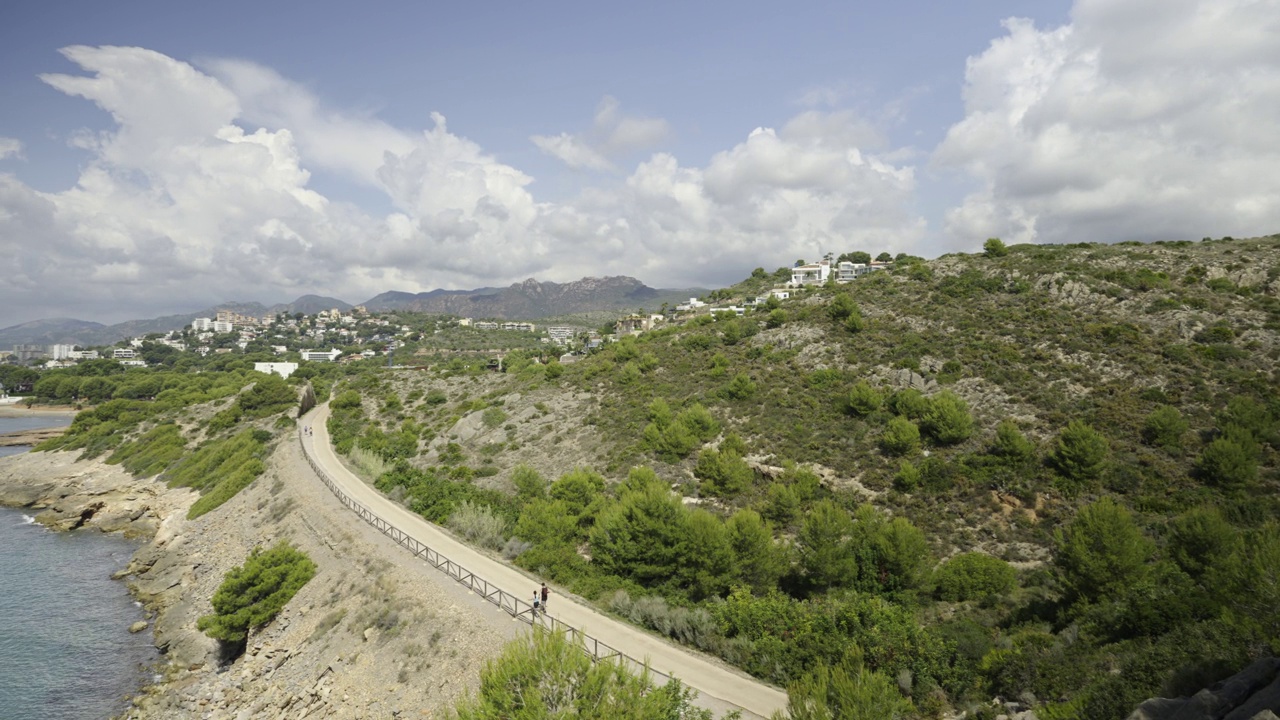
pixel 544 675
pixel 208 430
pixel 254 593
pixel 1041 472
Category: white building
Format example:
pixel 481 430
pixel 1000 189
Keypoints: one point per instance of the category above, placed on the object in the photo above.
pixel 811 274
pixel 134 363
pixel 849 271
pixel 283 369
pixel 123 354
pixel 221 326
pixel 61 352
pixel 202 324
pixel 321 355
pixel 780 293
pixel 83 355
pixel 561 334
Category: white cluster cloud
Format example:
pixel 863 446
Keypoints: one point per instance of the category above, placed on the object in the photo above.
pixel 612 134
pixel 200 193
pixel 1141 119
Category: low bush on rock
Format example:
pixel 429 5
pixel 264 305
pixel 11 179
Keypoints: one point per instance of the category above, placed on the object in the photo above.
pixel 254 593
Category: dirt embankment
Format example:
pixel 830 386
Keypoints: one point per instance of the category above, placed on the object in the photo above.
pixel 375 633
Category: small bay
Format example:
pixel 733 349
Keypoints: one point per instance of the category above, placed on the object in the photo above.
pixel 65 648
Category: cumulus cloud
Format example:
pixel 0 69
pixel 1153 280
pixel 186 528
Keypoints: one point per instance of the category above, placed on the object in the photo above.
pixel 612 134
pixel 200 193
pixel 1140 119
pixel 9 147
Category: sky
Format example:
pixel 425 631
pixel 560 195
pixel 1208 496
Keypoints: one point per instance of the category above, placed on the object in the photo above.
pixel 160 157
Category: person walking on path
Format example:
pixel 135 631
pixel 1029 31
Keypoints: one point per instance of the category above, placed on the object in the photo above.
pixel 545 592
pixel 535 602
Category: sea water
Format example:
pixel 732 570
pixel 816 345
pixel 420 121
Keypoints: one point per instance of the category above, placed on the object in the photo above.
pixel 29 422
pixel 65 648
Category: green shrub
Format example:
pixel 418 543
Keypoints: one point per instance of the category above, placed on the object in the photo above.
pixel 994 248
pixel 900 437
pixel 1164 427
pixel 478 524
pixel 691 626
pixel 723 473
pixel 269 395
pixel 825 559
pixel 672 443
pixel 842 307
pixel 972 576
pixel 1201 538
pixel 493 417
pixel 782 505
pixel 846 691
pixel 855 322
pixel 1011 445
pixel 909 403
pixel 740 388
pixel 1102 552
pixel 947 419
pixel 544 674
pixel 254 593
pixel 221 468
pixel 152 453
pixel 759 561
pixel 1079 452
pixel 908 477
pixel 864 399
pixel 1227 463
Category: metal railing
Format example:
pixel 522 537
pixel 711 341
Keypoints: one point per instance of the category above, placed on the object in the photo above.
pixel 517 608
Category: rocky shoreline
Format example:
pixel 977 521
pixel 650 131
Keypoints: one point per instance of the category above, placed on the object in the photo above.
pixel 19 438
pixel 375 634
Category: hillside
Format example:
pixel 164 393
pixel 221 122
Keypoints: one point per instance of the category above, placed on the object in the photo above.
pixel 598 298
pixel 531 300
pixel 80 332
pixel 1048 475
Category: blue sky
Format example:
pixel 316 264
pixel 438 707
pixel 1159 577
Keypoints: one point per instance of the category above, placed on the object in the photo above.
pixel 577 138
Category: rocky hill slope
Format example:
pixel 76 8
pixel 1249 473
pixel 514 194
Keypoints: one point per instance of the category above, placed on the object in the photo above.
pixel 1102 421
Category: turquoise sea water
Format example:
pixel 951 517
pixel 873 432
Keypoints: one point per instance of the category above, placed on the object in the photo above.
pixel 65 648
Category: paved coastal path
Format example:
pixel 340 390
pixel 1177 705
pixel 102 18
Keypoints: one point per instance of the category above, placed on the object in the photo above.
pixel 714 680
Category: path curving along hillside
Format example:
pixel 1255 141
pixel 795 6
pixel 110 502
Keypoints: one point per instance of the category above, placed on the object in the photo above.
pixel 709 677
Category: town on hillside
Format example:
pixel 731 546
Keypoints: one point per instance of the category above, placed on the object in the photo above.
pixel 281 342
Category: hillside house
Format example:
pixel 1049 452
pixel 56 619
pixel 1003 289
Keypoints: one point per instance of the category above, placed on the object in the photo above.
pixel 321 355
pixel 850 271
pixel 811 274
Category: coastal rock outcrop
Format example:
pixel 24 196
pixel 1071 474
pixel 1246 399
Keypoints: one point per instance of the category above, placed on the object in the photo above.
pixel 377 633
pixel 69 494
pixel 1251 694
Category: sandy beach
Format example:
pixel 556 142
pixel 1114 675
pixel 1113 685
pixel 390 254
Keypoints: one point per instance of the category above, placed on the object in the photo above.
pixel 16 407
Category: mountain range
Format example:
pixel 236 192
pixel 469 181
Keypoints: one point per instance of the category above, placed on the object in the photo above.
pixel 528 300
